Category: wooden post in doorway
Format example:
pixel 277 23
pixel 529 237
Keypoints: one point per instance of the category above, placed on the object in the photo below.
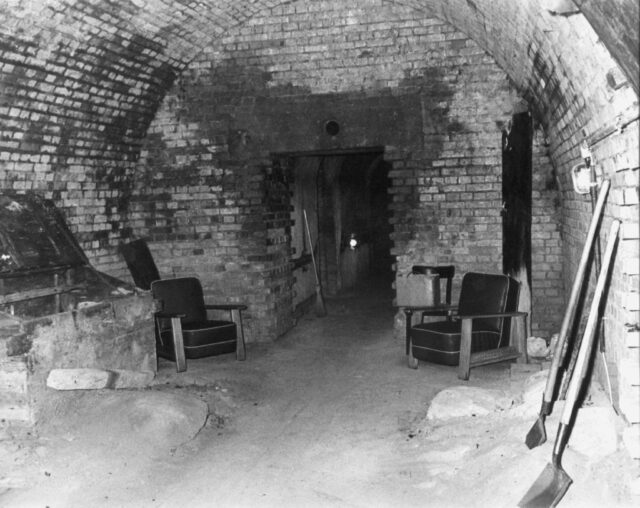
pixel 516 207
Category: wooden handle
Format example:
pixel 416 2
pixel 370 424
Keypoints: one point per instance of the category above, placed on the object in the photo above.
pixel 313 259
pixel 580 371
pixel 570 312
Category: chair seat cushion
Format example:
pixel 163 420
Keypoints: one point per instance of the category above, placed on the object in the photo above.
pixel 201 338
pixel 439 342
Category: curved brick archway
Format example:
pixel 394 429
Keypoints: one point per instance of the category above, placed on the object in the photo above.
pixel 124 55
pixel 81 80
pixel 86 76
pixel 86 84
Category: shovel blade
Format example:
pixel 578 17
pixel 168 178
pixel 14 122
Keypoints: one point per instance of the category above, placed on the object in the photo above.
pixel 548 489
pixel 537 435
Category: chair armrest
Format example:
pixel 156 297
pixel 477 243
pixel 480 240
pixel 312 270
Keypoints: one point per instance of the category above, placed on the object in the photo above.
pixel 499 314
pixel 226 306
pixel 235 313
pixel 169 315
pixel 448 309
pixel 440 308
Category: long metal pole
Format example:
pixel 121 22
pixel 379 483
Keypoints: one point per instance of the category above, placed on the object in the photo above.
pixel 570 312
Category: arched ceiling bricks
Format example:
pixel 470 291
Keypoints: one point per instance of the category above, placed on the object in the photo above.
pixel 101 62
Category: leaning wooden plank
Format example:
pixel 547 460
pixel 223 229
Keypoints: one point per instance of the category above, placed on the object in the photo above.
pixel 97 379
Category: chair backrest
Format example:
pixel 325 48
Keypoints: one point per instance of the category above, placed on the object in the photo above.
pixel 140 262
pixel 445 272
pixel 485 293
pixel 181 296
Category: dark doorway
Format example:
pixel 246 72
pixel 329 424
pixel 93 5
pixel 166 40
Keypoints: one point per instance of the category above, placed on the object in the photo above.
pixel 516 196
pixel 346 197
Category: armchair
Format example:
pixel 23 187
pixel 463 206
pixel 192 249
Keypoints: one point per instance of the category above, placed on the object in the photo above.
pixel 183 329
pixel 479 333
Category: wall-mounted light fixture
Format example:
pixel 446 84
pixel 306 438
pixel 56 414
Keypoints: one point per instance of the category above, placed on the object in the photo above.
pixel 332 127
pixel 353 241
pixel 585 153
pixel 581 178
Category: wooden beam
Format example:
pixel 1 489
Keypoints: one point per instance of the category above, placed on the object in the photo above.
pixel 38 293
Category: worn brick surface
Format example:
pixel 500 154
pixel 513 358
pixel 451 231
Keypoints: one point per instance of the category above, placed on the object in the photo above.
pixel 156 118
pixel 271 85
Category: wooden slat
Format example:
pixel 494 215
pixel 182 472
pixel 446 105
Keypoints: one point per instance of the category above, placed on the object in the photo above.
pixel 178 344
pixel 38 293
pixel 494 355
pixel 236 316
pixel 464 365
pixel 519 338
pixel 227 306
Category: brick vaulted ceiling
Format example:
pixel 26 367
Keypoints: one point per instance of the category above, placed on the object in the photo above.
pixel 104 65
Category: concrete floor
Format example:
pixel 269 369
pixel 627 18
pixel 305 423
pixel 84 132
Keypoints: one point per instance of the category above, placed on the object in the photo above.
pixel 328 415
pixel 324 416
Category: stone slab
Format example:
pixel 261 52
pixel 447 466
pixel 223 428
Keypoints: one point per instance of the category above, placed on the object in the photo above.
pixel 97 379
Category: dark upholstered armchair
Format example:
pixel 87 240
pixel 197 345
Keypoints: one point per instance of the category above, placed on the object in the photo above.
pixel 480 331
pixel 183 329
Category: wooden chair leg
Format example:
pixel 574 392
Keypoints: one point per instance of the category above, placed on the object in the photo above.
pixel 236 317
pixel 407 329
pixel 412 361
pixel 465 350
pixel 521 339
pixel 178 345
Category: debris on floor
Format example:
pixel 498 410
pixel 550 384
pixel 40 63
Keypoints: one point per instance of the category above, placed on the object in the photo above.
pixel 477 456
pixel 328 416
pixel 462 401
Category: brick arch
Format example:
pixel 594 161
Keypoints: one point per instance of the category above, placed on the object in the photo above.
pixel 559 63
pixel 102 66
pixel 82 81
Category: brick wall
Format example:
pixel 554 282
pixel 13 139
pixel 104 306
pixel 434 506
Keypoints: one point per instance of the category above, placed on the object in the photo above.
pixel 81 81
pixel 615 153
pixel 76 101
pixel 412 84
pixel 547 281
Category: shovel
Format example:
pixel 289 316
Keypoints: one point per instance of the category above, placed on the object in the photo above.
pixel 537 434
pixel 553 482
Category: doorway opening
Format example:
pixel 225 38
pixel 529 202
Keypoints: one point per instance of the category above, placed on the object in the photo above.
pixel 345 197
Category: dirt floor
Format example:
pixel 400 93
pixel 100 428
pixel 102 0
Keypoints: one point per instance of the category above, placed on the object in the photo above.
pixel 329 415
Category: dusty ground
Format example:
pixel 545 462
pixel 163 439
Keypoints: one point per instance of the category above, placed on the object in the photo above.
pixel 327 416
